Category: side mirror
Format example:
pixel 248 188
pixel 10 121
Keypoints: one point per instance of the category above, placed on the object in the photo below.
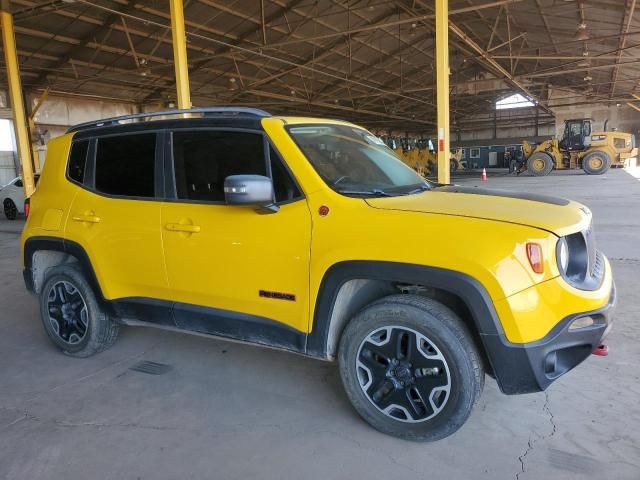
pixel 250 190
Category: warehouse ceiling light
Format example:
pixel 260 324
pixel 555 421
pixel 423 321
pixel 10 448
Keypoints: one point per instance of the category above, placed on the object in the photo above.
pixel 581 33
pixel 513 101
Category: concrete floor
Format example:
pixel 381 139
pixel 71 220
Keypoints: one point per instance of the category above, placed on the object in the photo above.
pixel 229 411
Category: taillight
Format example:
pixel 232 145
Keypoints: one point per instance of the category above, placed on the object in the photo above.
pixel 534 253
pixel 27 207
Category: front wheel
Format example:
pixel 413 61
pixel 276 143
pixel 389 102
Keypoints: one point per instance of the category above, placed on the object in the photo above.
pixel 411 368
pixel 10 209
pixel 540 164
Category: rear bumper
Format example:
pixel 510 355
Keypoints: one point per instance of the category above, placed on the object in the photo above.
pixel 532 367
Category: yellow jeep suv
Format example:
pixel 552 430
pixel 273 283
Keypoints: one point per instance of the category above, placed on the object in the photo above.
pixel 311 236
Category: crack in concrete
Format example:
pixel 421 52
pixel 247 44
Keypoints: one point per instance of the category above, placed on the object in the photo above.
pixel 551 417
pixel 26 415
pixel 521 457
pixel 531 442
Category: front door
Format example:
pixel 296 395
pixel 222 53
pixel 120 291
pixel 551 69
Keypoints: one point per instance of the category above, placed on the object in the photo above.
pixel 232 270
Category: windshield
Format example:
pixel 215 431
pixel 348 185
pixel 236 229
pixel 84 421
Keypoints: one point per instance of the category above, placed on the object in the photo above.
pixel 352 161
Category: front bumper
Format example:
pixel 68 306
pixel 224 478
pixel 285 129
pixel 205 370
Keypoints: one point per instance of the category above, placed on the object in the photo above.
pixel 532 367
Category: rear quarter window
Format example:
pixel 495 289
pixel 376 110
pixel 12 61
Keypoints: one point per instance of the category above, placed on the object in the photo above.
pixel 78 160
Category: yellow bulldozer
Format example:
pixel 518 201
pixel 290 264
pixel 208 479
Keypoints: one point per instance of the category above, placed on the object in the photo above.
pixel 594 152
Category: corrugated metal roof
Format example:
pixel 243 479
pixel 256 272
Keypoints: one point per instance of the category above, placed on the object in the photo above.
pixel 367 61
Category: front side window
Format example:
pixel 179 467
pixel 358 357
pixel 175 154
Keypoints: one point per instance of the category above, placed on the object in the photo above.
pixel 575 129
pixel 125 165
pixel 352 161
pixel 203 159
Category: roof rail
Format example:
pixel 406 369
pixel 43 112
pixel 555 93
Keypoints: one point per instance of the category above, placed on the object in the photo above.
pixel 255 112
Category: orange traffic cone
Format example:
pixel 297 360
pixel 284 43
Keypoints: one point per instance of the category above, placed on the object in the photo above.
pixel 483 177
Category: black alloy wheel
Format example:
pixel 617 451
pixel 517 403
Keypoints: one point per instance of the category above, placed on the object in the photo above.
pixel 68 314
pixel 403 374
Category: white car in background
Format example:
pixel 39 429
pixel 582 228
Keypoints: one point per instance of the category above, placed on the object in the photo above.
pixel 12 195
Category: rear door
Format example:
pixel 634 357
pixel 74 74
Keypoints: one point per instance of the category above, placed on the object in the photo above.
pixel 233 270
pixel 115 215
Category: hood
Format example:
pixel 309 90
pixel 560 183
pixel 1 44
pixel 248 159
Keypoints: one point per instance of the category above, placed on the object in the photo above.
pixel 556 215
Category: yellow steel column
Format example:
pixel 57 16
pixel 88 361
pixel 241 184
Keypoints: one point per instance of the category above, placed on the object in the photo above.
pixel 442 85
pixel 17 102
pixel 179 38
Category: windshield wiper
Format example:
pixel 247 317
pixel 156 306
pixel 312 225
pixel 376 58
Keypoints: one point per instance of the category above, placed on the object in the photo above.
pixel 421 188
pixel 375 192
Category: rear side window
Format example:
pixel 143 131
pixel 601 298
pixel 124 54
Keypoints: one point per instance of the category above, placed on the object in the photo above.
pixel 203 159
pixel 125 165
pixel 78 160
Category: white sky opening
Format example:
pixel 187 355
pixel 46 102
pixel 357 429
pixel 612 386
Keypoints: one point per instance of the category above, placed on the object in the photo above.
pixel 6 136
pixel 513 101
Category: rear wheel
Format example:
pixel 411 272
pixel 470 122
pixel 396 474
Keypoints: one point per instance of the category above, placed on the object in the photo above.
pixel 10 209
pixel 596 162
pixel 540 164
pixel 410 368
pixel 72 316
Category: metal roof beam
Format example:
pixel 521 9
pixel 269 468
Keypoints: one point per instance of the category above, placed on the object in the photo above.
pixel 624 29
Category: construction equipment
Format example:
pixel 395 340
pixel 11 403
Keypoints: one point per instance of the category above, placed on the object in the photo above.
pixel 594 152
pixel 418 154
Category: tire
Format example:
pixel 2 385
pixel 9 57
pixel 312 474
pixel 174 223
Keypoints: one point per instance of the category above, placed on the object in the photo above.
pixel 596 162
pixel 453 165
pixel 10 209
pixel 540 164
pixel 71 315
pixel 378 372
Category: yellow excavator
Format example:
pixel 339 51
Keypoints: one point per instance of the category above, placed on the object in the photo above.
pixel 594 152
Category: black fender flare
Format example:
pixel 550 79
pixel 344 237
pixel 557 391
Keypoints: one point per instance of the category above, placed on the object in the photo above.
pixel 467 288
pixel 508 361
pixel 56 244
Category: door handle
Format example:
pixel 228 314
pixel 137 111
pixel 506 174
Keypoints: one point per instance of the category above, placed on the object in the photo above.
pixel 86 218
pixel 180 227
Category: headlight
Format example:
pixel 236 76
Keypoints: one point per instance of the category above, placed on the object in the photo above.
pixel 573 258
pixel 563 255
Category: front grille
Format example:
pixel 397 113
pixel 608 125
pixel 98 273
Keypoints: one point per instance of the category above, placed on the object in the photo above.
pixel 594 274
pixel 586 266
pixel 592 252
pixel 597 269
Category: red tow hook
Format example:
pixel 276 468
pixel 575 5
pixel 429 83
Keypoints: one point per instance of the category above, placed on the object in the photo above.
pixel 601 350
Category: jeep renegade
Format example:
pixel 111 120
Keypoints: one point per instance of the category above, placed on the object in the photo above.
pixel 311 236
